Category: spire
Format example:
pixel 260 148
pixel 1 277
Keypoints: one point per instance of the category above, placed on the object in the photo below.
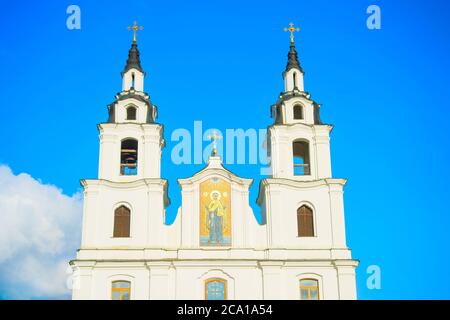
pixel 292 55
pixel 133 60
pixel 133 55
pixel 293 59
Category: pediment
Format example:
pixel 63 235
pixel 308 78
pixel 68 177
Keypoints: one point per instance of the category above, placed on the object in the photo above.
pixel 215 169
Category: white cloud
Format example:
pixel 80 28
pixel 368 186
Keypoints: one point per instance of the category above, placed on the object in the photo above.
pixel 40 232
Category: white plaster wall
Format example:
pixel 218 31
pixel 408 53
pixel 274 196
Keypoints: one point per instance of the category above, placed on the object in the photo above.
pixel 150 143
pixel 141 111
pixel 289 80
pixel 165 262
pixel 145 198
pixel 138 80
pixel 287 108
pixel 286 196
pixel 281 140
pixel 245 279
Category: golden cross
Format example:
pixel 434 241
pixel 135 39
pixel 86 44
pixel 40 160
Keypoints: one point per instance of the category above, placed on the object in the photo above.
pixel 214 137
pixel 135 28
pixel 291 29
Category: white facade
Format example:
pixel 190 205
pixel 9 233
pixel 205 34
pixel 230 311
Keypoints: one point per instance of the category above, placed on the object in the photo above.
pixel 266 260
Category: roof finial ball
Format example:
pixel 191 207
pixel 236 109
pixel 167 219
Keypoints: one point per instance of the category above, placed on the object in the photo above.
pixel 291 29
pixel 135 28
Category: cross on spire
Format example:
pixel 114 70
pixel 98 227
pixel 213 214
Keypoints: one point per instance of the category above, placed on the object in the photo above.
pixel 135 28
pixel 291 29
pixel 214 137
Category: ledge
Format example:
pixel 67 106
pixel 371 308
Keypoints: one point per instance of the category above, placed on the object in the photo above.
pixel 298 184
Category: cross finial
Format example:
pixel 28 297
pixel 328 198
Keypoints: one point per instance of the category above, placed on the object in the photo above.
pixel 135 28
pixel 214 137
pixel 291 29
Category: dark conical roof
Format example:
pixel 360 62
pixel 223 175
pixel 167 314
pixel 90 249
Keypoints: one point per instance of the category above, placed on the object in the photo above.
pixel 133 59
pixel 293 59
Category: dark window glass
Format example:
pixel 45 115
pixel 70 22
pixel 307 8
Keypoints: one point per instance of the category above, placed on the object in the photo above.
pixel 122 217
pixel 131 113
pixel 305 222
pixel 298 112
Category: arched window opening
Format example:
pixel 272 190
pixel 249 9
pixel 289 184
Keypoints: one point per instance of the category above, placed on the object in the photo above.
pixel 131 113
pixel 309 289
pixel 305 222
pixel 121 290
pixel 278 116
pixel 294 78
pixel 122 217
pixel 128 157
pixel 215 289
pixel 298 112
pixel 301 158
pixel 132 80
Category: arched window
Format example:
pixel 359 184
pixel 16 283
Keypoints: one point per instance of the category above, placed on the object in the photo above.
pixel 298 112
pixel 294 79
pixel 128 157
pixel 278 115
pixel 305 222
pixel 215 289
pixel 309 289
pixel 132 80
pixel 301 158
pixel 120 290
pixel 122 217
pixel 131 113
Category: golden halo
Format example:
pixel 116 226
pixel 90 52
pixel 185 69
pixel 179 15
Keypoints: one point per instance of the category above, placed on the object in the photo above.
pixel 215 192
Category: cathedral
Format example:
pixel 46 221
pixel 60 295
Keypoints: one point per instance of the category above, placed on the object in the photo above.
pixel 215 249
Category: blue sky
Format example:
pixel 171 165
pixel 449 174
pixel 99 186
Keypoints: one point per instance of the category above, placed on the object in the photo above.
pixel 221 62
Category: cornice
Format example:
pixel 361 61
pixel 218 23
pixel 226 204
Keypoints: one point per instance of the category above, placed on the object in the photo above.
pixel 292 126
pixel 124 185
pixel 297 184
pixel 144 126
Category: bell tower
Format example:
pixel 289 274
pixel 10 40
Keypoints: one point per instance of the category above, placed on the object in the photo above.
pixel 301 203
pixel 125 206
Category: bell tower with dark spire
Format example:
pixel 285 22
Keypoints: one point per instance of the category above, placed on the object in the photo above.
pixel 124 206
pixel 301 202
pixel 297 118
